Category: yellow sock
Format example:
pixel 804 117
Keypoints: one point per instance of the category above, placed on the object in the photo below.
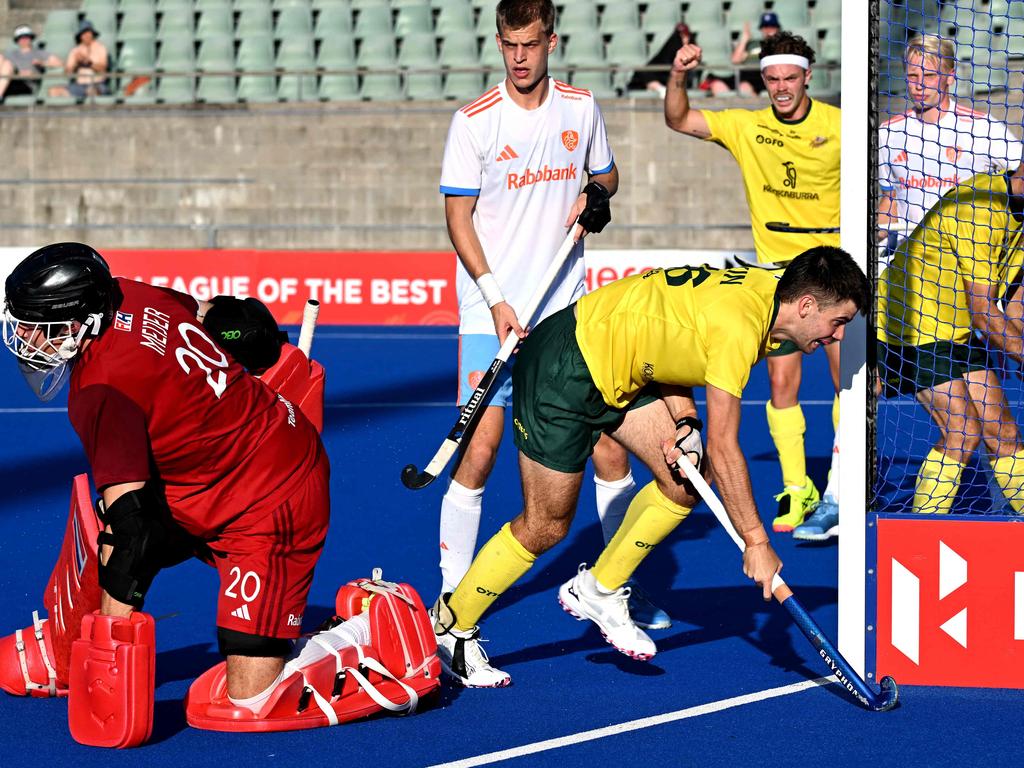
pixel 787 427
pixel 938 480
pixel 835 413
pixel 498 565
pixel 650 518
pixel 1009 473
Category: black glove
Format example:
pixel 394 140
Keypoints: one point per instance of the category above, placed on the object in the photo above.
pixel 246 330
pixel 598 212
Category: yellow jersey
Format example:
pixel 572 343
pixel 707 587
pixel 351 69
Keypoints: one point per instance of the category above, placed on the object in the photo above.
pixel 687 326
pixel 790 173
pixel 971 235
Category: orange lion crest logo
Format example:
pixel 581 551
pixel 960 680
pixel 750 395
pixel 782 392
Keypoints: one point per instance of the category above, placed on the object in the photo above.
pixel 570 139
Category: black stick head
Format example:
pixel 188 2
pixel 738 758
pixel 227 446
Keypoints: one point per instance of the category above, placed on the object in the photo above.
pixel 890 695
pixel 413 479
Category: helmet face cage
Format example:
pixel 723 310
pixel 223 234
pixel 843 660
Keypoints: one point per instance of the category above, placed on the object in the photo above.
pixel 36 344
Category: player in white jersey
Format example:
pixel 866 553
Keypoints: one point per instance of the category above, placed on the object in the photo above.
pixel 514 163
pixel 937 143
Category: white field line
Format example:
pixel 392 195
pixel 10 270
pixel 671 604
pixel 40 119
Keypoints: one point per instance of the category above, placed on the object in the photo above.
pixel 634 725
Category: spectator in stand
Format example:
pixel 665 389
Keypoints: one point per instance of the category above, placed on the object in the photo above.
pixel 26 59
pixel 87 65
pixel 746 54
pixel 657 80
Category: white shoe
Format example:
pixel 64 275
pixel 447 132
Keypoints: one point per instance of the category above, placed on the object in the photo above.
pixel 579 596
pixel 460 653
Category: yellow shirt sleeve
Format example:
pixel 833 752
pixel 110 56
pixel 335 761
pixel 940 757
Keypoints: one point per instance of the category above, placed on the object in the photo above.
pixel 722 125
pixel 978 236
pixel 734 350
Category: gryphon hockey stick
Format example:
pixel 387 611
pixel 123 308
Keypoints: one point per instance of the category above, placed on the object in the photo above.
pixel 471 412
pixel 782 226
pixel 842 670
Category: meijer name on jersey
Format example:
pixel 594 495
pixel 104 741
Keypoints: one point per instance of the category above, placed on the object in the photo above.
pixel 545 173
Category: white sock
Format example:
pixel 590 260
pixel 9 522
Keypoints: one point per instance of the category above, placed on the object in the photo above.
pixel 460 523
pixel 613 497
pixel 255 703
pixel 590 585
pixel 832 489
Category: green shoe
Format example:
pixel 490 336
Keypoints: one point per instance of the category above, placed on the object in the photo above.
pixel 794 505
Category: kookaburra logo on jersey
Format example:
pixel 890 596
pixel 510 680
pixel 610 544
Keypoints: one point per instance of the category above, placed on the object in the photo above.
pixel 790 175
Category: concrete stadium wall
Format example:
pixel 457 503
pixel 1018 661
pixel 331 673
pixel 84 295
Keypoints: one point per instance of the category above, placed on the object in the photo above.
pixel 326 176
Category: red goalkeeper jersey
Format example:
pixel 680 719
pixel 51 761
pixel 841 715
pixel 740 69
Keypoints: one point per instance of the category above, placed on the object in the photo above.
pixel 154 397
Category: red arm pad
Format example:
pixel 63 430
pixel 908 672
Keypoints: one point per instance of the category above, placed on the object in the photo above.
pixel 111 689
pixel 299 381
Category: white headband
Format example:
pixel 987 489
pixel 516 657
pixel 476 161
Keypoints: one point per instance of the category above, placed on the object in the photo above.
pixel 785 58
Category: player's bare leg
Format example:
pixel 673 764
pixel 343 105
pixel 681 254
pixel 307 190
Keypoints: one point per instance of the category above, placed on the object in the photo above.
pixel 614 489
pixel 1000 433
pixel 787 426
pixel 249 676
pixel 950 407
pixel 462 503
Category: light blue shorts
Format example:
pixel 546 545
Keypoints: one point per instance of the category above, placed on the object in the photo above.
pixel 476 353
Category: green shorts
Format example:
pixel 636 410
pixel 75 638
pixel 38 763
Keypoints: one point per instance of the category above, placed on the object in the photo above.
pixel 908 370
pixel 558 413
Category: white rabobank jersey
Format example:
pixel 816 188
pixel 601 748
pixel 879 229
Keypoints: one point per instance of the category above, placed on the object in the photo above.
pixel 919 162
pixel 526 168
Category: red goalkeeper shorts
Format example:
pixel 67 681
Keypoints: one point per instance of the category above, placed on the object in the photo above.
pixel 266 563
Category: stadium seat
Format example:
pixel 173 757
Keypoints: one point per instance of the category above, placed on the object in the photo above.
pixel 490 57
pixel 255 58
pixel 296 54
pixel 176 23
pixel 216 22
pixel 624 14
pixel 599 83
pixel 660 17
pixel 627 48
pixel 138 5
pixel 584 50
pixel 485 25
pixel 174 6
pixel 987 71
pixel 744 12
pixel 419 51
pixel 332 20
pixel 294 20
pixel 704 15
pixel 136 22
pixel 61 24
pixel 104 18
pixel 379 53
pixel 216 89
pixel 338 52
pixel 280 5
pixel 177 54
pixel 463 86
pixel 137 54
pixel 91 7
pixel 254 21
pixel 792 13
pixel 831 47
pixel 828 13
pixel 716 48
pixel 414 19
pixel 360 4
pixel 460 51
pixel 579 17
pixel 175 90
pixel 467 6
pixel 373 20
pixel 319 5
pixel 216 54
pixel 453 19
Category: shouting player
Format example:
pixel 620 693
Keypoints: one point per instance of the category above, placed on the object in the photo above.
pixel 514 163
pixel 789 156
pixel 190 453
pixel 623 361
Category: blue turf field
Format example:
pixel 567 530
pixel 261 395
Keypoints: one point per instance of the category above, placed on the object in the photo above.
pixel 388 403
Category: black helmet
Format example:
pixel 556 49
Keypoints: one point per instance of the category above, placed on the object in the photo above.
pixel 59 283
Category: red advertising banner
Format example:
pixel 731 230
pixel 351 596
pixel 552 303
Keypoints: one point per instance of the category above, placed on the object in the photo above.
pixel 951 602
pixel 353 287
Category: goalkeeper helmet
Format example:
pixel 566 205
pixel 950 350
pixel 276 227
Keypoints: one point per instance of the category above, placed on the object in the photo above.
pixel 54 298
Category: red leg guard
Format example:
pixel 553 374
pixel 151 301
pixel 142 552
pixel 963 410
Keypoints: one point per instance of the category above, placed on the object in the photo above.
pixel 35 660
pixel 111 690
pixel 300 381
pixel 342 682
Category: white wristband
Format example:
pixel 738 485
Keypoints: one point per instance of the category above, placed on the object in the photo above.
pixel 489 288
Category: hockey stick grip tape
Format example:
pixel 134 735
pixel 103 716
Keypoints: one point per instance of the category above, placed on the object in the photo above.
pixel 310 313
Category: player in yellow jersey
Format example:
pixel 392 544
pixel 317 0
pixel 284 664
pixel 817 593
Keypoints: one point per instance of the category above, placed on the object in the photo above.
pixel 623 361
pixel 956 274
pixel 789 156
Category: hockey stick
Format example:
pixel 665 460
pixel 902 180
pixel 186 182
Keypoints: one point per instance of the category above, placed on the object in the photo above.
pixel 842 670
pixel 309 315
pixel 783 226
pixel 471 412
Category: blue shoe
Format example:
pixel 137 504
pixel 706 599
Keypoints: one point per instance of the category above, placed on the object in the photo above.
pixel 822 525
pixel 644 613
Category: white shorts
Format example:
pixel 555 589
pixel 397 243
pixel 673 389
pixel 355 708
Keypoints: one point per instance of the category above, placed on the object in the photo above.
pixel 476 353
